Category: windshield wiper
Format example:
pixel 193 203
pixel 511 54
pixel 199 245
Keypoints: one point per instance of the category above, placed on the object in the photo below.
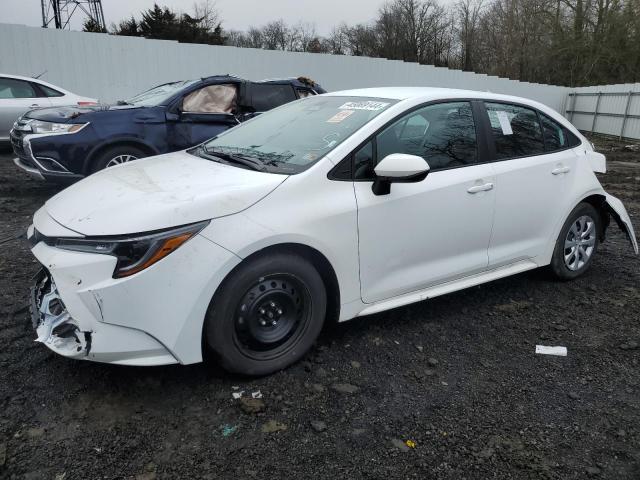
pixel 235 158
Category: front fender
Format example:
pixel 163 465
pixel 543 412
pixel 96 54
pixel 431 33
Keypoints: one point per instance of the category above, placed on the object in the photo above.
pixel 619 213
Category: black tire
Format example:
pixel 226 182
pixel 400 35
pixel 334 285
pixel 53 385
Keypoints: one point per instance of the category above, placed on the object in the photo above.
pixel 266 315
pixel 103 158
pixel 580 265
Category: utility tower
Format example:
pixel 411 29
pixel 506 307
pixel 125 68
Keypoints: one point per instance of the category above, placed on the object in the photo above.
pixel 58 13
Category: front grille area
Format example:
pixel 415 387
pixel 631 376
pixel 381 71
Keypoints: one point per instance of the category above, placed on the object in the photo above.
pixel 17 143
pixel 21 128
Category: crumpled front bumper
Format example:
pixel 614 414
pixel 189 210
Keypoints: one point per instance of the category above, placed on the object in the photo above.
pixel 52 322
pixel 154 317
pixel 66 336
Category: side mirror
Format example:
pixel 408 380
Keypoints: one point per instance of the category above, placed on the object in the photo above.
pixel 172 116
pixel 398 168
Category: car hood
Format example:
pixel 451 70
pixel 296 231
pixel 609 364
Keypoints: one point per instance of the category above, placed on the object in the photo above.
pixel 156 193
pixel 73 114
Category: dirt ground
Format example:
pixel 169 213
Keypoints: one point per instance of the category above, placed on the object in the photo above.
pixel 456 375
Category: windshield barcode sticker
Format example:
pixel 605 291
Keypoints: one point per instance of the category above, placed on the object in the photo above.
pixel 368 105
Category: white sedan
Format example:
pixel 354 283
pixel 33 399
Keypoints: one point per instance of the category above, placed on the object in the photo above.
pixel 18 95
pixel 328 208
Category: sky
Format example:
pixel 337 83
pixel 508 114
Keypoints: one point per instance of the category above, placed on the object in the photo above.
pixel 236 14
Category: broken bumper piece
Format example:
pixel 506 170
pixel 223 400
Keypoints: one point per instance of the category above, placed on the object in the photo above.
pixel 88 340
pixel 54 326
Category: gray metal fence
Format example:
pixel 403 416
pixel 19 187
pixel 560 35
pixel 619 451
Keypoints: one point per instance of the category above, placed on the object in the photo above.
pixel 617 122
pixel 608 109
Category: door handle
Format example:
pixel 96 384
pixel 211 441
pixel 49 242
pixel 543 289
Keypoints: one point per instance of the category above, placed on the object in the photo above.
pixel 480 188
pixel 560 170
pixel 35 105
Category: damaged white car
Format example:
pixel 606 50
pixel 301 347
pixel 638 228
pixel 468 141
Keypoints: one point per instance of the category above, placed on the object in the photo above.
pixel 327 208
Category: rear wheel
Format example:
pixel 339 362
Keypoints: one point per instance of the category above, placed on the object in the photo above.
pixel 116 155
pixel 577 243
pixel 267 314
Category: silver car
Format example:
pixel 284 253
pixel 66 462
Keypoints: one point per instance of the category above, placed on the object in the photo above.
pixel 18 95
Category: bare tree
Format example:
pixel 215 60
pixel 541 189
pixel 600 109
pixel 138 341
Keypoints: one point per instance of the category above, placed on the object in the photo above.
pixel 468 15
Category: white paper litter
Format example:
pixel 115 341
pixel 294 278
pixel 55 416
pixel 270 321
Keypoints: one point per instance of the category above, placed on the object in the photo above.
pixel 544 350
pixel 257 394
pixel 237 395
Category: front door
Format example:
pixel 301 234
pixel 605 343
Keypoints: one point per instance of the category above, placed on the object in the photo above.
pixel 204 113
pixel 432 231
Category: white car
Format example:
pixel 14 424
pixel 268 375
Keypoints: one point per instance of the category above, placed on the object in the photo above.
pixel 330 207
pixel 18 95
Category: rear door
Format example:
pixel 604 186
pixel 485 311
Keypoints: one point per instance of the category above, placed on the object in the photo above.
pixel 204 113
pixel 534 170
pixel 16 98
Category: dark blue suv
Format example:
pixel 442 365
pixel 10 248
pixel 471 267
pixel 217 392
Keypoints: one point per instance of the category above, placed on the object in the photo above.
pixel 65 144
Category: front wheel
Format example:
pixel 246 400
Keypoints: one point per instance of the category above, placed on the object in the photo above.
pixel 577 243
pixel 116 155
pixel 266 314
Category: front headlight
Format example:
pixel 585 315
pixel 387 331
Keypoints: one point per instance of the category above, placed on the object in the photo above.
pixel 38 126
pixel 134 254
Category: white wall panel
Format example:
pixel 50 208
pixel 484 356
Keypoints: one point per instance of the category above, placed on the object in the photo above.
pixel 111 68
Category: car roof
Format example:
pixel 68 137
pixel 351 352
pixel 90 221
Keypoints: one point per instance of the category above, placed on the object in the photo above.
pixel 296 81
pixel 429 93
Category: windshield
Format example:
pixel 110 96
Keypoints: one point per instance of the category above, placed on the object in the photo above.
pixel 158 95
pixel 291 138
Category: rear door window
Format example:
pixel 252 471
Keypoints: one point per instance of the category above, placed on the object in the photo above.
pixel 266 96
pixel 50 92
pixel 557 137
pixel 13 88
pixel 515 130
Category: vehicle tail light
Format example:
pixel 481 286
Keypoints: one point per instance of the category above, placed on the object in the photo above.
pixel 84 104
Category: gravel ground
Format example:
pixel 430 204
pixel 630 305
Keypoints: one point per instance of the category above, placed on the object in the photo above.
pixel 455 377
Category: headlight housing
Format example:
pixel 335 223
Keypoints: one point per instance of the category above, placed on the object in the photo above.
pixel 134 253
pixel 39 126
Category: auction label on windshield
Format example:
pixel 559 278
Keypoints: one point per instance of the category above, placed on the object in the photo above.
pixel 340 116
pixel 368 105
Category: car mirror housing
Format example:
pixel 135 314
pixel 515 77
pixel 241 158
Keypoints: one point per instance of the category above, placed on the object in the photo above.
pixel 398 168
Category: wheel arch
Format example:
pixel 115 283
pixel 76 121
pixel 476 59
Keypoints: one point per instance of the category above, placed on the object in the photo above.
pixel 116 142
pixel 599 202
pixel 597 199
pixel 317 259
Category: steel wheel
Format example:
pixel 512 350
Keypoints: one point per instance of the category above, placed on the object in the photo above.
pixel 120 159
pixel 271 315
pixel 580 242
